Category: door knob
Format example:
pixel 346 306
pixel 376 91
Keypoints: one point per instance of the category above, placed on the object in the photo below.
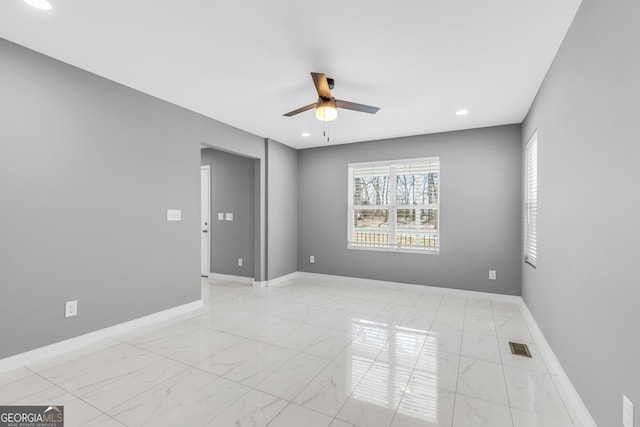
pixel 205 231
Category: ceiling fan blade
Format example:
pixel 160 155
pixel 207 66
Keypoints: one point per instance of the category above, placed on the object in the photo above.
pixel 322 87
pixel 300 110
pixel 356 107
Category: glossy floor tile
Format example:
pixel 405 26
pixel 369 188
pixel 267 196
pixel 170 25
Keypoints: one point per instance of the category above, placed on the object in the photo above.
pixel 310 352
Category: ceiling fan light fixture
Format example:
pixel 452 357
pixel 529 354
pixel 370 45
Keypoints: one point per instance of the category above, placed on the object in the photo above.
pixel 39 4
pixel 326 111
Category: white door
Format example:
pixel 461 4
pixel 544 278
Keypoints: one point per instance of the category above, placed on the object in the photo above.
pixel 205 220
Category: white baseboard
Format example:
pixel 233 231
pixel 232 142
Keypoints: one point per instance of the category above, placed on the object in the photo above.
pixel 567 390
pixel 280 280
pixel 277 281
pixel 446 291
pixel 231 278
pixel 70 344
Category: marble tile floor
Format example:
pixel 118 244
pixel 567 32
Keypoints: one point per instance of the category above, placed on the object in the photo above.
pixel 310 352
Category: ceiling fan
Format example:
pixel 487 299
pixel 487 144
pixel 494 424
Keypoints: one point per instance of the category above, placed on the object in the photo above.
pixel 327 106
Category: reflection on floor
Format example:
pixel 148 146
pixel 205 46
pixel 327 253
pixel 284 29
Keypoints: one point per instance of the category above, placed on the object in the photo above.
pixel 311 352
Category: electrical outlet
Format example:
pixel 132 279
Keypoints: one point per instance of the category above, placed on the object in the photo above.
pixel 70 308
pixel 239 262
pixel 627 412
pixel 220 216
pixel 312 259
pixel 228 216
pixel 492 275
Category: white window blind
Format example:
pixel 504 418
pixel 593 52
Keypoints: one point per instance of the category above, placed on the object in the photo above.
pixel 531 201
pixel 394 205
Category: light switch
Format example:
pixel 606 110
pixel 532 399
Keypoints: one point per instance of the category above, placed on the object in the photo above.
pixel 174 215
pixel 228 216
pixel 220 216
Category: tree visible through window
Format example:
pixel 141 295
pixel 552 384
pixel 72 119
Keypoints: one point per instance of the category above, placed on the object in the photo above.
pixel 395 205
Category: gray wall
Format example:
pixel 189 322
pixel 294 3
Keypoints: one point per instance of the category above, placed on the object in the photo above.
pixel 480 211
pixel 282 209
pixel 232 191
pixel 584 292
pixel 87 170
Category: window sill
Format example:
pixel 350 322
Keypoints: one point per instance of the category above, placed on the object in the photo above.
pixel 395 250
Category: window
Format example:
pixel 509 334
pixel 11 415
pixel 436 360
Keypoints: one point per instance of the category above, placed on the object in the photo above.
pixel 394 206
pixel 531 201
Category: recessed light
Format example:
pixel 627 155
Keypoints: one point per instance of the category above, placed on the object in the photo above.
pixel 462 112
pixel 39 4
pixel 305 134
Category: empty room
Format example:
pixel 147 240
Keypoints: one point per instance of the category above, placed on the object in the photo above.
pixel 406 214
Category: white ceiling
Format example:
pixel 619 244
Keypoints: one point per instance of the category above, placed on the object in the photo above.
pixel 247 62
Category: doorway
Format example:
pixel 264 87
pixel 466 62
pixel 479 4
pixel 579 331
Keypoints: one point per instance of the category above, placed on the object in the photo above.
pixel 234 213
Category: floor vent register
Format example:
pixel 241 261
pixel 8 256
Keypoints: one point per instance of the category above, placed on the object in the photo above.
pixel 519 349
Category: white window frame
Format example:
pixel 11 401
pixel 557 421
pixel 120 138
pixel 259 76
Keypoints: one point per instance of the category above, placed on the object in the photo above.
pixel 531 201
pixel 392 206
